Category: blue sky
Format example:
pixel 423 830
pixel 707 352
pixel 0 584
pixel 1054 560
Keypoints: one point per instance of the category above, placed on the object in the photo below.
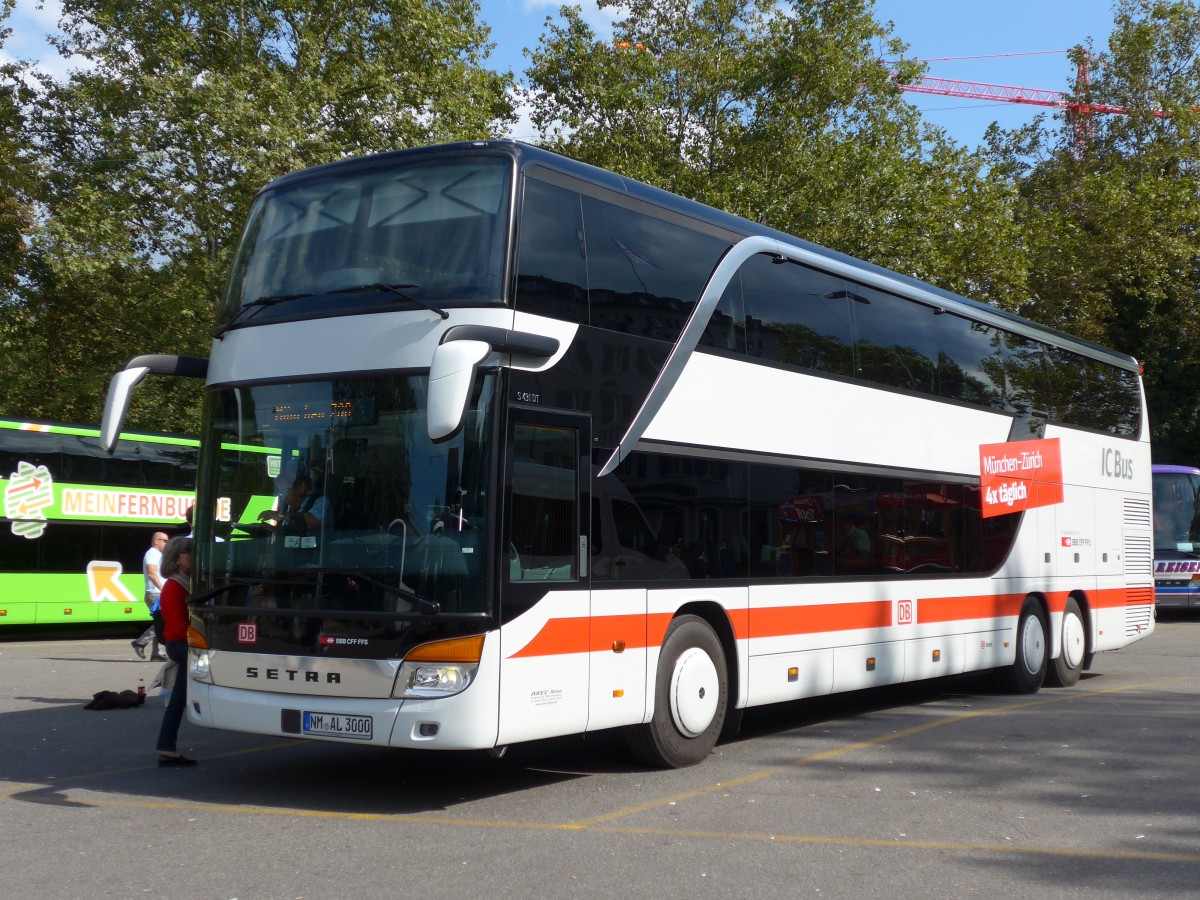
pixel 932 28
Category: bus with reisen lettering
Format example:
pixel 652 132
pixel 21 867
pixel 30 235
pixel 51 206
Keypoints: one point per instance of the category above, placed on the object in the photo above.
pixel 556 452
pixel 1176 536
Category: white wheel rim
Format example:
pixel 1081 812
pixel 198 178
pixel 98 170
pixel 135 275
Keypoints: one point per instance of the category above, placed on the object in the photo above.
pixel 1033 645
pixel 695 689
pixel 1073 640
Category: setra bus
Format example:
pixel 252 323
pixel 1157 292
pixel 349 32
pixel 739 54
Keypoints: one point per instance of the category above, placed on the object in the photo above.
pixel 77 521
pixel 563 452
pixel 1176 536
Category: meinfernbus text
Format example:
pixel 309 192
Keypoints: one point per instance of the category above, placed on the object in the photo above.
pixel 77 521
pixel 565 452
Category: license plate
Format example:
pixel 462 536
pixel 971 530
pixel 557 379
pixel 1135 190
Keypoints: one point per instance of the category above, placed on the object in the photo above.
pixel 337 725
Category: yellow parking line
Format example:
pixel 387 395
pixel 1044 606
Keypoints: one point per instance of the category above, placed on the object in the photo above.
pixel 845 749
pixel 11 789
pixel 909 845
pixel 633 831
pixel 46 793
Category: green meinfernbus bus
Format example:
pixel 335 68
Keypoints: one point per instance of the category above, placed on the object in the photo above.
pixel 75 522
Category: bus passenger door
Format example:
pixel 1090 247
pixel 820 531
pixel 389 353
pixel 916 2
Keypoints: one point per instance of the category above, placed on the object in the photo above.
pixel 544 593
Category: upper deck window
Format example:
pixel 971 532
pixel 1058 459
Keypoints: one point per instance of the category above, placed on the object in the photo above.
pixel 434 230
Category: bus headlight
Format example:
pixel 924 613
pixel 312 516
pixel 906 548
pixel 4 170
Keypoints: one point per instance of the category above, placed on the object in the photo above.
pixel 198 662
pixel 426 680
pixel 200 667
pixel 440 668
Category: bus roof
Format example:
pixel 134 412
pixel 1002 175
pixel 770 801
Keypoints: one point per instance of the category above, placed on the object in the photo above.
pixel 1160 469
pixel 527 154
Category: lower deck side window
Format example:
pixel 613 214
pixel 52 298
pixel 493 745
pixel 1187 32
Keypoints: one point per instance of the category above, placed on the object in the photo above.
pixel 704 518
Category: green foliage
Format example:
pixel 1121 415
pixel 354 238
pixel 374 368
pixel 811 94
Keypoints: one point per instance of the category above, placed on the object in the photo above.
pixel 155 153
pixel 17 172
pixel 122 189
pixel 1110 213
pixel 781 113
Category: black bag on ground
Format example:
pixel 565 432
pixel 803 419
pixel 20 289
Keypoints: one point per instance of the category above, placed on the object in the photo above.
pixel 115 700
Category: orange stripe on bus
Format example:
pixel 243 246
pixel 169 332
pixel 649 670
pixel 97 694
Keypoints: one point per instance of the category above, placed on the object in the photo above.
pixel 779 621
pixel 952 609
pixel 599 633
pixel 581 635
pixel 558 636
pixel 992 606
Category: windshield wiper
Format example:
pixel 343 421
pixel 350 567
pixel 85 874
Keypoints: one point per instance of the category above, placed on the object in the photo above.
pixel 432 607
pixel 398 290
pixel 257 305
pixel 195 599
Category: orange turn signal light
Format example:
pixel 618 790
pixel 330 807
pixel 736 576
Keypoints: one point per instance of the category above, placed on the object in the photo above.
pixel 455 650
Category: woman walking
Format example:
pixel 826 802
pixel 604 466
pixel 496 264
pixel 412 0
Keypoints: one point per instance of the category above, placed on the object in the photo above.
pixel 177 569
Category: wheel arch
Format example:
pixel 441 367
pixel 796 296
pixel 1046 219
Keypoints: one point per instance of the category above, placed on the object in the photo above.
pixel 1086 612
pixel 1080 596
pixel 1055 634
pixel 1019 676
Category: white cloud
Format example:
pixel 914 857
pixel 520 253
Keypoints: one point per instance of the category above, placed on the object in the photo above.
pixel 601 20
pixel 31 21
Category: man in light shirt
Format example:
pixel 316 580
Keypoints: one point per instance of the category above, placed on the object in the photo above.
pixel 150 563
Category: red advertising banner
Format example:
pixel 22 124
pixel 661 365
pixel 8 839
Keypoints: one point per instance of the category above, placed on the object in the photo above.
pixel 1019 475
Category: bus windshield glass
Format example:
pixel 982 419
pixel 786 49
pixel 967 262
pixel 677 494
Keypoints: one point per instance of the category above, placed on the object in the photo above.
pixel 430 232
pixel 330 496
pixel 1176 518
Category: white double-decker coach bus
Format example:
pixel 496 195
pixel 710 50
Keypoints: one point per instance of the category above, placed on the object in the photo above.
pixel 499 446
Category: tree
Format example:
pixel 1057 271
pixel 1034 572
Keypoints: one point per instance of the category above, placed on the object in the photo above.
pixel 17 173
pixel 1113 224
pixel 781 113
pixel 186 111
pixel 18 182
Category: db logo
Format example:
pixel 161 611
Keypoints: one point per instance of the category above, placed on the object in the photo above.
pixel 247 633
pixel 904 612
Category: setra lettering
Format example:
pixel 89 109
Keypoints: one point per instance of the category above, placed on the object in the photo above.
pixel 307 676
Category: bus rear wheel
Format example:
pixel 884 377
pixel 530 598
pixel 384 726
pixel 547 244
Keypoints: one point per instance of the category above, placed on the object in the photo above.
pixel 691 697
pixel 1028 670
pixel 1066 668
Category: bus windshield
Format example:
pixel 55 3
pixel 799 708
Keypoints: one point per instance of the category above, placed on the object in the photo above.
pixel 330 496
pixel 430 232
pixel 1176 523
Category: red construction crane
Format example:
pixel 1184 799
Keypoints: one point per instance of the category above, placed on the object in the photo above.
pixel 1079 112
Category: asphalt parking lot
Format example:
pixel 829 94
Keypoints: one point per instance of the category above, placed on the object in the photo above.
pixel 944 789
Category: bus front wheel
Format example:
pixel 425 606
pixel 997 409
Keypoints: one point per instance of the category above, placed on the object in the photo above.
pixel 1028 670
pixel 1066 668
pixel 691 696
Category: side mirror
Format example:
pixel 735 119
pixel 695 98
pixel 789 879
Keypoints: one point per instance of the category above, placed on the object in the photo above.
pixel 120 389
pixel 451 376
pixel 116 405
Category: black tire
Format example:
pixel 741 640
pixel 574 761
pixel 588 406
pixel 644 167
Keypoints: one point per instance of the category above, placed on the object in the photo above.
pixel 687 716
pixel 1028 670
pixel 1066 668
